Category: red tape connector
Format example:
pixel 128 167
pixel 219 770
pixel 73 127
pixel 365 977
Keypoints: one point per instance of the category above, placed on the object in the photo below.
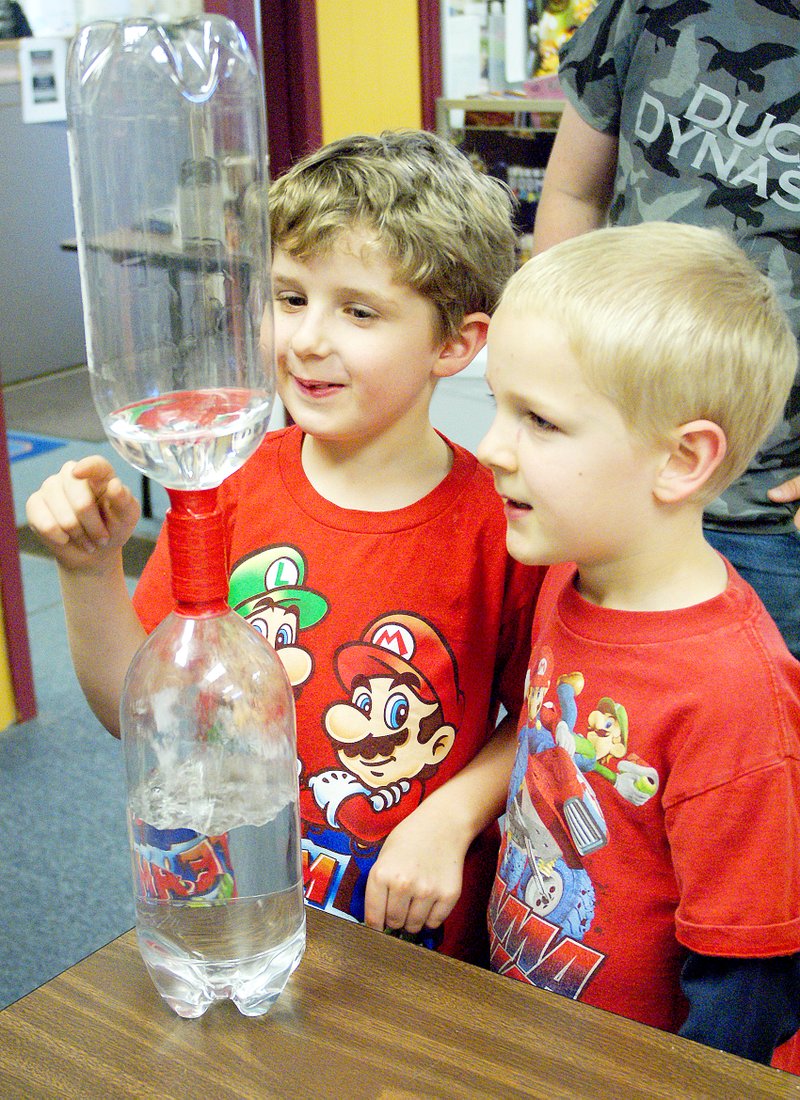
pixel 196 536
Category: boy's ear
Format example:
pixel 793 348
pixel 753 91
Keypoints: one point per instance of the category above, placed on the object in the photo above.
pixel 458 351
pixel 695 453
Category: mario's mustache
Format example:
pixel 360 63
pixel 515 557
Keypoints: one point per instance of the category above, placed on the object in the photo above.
pixel 371 746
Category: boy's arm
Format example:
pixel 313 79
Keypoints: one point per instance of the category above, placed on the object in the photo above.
pixel 104 634
pixel 743 1006
pixel 85 515
pixel 417 877
pixel 578 183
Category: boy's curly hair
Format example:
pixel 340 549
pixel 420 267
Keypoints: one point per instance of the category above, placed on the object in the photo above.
pixel 445 228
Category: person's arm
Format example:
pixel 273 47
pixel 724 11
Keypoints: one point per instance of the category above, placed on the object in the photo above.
pixel 743 1006
pixel 578 182
pixel 416 880
pixel 85 515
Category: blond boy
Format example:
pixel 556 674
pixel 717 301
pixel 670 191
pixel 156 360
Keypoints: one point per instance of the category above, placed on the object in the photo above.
pixel 635 372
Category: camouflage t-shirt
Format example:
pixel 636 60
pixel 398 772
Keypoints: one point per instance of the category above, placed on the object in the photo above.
pixel 704 96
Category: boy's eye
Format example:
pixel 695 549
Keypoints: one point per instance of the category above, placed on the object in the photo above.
pixel 290 299
pixel 540 423
pixel 362 313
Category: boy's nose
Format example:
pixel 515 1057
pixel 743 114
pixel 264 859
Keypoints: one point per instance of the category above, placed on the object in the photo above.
pixel 495 451
pixel 309 335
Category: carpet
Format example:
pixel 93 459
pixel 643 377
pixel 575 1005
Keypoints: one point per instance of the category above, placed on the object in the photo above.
pixel 65 874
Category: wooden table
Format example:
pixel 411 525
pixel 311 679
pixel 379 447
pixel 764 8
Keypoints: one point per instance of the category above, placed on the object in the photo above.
pixel 363 1016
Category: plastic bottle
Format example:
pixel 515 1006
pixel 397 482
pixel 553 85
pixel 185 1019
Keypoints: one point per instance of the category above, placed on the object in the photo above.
pixel 208 733
pixel 173 246
pixel 179 342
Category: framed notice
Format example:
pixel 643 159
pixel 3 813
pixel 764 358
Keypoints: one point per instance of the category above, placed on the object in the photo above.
pixel 42 64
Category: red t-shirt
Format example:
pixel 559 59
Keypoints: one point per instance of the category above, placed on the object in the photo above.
pixel 401 632
pixel 691 840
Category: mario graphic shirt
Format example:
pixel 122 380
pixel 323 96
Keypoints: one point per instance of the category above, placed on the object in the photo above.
pixel 544 904
pixel 389 726
pixel 656 778
pixel 394 726
pixel 655 752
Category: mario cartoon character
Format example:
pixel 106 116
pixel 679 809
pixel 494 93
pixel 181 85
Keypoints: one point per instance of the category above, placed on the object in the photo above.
pixel 548 732
pixel 396 728
pixel 267 588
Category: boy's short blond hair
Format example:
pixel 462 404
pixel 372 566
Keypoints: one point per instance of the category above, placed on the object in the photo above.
pixel 671 323
pixel 445 228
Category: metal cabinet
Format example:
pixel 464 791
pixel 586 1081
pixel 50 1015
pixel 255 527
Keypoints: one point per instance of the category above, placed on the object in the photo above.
pixel 41 318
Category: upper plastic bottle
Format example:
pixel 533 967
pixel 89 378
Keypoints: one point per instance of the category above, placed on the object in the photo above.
pixel 167 138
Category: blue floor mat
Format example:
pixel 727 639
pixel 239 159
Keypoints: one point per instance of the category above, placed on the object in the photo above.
pixel 23 445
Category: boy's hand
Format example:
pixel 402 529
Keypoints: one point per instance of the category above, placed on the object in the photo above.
pixel 83 513
pixel 416 879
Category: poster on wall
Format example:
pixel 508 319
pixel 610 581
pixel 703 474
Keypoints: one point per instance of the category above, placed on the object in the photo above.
pixel 42 64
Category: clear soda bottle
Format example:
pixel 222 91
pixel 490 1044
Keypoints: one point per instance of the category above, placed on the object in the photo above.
pixel 207 719
pixel 167 140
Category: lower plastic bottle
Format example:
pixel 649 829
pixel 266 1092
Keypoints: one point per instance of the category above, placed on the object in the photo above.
pixel 208 731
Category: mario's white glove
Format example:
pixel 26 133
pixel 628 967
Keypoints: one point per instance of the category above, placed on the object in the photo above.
pixel 331 788
pixel 384 797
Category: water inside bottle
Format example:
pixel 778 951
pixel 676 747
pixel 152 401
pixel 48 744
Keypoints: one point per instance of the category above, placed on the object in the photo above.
pixel 190 439
pixel 219 914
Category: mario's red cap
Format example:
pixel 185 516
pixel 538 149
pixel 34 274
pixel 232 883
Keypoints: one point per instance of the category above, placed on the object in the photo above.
pixel 397 644
pixel 542 670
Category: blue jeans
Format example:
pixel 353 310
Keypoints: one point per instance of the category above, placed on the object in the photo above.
pixel 771 565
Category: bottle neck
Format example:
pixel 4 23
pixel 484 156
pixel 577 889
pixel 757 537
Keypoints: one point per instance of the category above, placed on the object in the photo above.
pixel 196 538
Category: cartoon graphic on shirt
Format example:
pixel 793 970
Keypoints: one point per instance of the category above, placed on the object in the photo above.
pixel 543 902
pixel 604 747
pixel 390 735
pixel 268 589
pixel 604 751
pixel 545 840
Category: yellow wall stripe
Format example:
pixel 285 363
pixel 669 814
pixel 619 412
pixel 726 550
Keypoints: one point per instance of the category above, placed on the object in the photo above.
pixel 368 66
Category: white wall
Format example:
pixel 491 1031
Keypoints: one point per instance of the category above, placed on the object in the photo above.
pixel 461 408
pixel 41 319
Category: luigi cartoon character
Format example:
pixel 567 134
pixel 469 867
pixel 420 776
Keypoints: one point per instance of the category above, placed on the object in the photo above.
pixel 604 750
pixel 267 588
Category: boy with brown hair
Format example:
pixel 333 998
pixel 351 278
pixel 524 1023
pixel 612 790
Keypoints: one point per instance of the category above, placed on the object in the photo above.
pixel 358 536
pixel 651 852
